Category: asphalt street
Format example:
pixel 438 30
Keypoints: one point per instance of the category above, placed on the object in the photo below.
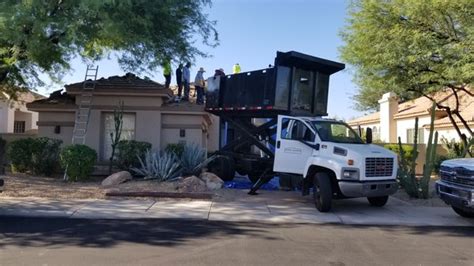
pixel 58 241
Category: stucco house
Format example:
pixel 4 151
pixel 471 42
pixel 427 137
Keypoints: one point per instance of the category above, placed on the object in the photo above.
pixel 149 115
pixel 14 115
pixel 398 119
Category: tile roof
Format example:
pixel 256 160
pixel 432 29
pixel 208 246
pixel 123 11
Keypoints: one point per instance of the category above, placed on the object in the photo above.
pixel 127 81
pixel 467 113
pixel 419 106
pixel 56 99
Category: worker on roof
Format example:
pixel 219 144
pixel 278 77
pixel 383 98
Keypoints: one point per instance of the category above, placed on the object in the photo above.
pixel 167 72
pixel 219 72
pixel 186 80
pixel 179 79
pixel 236 68
pixel 199 84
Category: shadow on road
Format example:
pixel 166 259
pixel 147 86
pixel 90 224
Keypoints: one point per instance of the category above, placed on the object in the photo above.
pixel 37 232
pixel 21 231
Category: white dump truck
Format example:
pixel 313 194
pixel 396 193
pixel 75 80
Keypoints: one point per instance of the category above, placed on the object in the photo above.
pixel 271 125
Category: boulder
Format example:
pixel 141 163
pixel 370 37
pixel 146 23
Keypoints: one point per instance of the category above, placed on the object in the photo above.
pixel 192 184
pixel 117 178
pixel 213 182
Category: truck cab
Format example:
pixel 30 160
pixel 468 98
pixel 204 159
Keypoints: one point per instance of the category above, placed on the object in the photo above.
pixel 334 160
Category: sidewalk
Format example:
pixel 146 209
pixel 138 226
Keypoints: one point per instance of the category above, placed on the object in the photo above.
pixel 272 207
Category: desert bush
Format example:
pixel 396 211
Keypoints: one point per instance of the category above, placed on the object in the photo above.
pixel 193 160
pixel 129 152
pixel 161 166
pixel 176 148
pixel 44 156
pixel 19 154
pixel 78 161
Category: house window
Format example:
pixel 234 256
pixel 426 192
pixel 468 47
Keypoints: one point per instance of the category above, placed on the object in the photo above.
pixel 128 131
pixel 375 133
pixel 411 135
pixel 19 126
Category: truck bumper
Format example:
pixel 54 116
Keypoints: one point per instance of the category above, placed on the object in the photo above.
pixel 368 188
pixel 455 195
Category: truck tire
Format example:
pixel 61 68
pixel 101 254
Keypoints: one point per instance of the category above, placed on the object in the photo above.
pixel 223 167
pixel 378 201
pixel 463 213
pixel 322 192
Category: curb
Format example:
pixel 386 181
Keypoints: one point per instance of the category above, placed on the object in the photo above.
pixel 174 195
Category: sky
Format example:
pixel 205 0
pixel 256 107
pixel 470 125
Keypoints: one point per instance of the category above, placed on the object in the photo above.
pixel 252 31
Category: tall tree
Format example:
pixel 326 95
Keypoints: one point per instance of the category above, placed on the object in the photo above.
pixel 44 35
pixel 415 48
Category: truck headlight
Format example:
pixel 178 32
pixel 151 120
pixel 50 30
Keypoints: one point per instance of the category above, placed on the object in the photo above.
pixel 351 174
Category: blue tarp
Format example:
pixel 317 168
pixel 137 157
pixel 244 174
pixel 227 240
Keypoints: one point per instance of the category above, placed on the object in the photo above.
pixel 242 182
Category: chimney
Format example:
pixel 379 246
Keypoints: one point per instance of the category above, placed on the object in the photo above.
pixel 388 109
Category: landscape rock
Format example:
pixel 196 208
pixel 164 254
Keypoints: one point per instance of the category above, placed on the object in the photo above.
pixel 213 182
pixel 117 178
pixel 192 184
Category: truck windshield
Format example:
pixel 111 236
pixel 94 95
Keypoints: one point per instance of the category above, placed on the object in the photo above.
pixel 336 132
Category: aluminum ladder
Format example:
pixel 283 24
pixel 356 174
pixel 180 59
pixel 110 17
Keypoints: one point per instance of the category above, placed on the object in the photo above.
pixel 85 103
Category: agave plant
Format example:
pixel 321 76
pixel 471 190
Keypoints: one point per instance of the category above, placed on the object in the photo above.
pixel 193 159
pixel 160 166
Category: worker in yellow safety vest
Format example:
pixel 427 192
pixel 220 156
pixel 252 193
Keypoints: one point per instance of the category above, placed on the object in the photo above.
pixel 236 68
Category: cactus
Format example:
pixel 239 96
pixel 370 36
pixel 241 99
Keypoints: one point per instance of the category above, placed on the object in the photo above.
pixel 429 160
pixel 418 188
pixel 406 173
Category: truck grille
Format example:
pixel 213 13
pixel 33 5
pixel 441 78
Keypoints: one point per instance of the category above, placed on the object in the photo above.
pixel 375 167
pixel 457 175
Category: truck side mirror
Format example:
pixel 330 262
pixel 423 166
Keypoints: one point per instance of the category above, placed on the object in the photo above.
pixel 368 135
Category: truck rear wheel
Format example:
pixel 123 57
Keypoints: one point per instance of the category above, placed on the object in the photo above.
pixel 322 192
pixel 463 213
pixel 223 167
pixel 378 201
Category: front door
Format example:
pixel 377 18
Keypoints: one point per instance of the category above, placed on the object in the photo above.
pixel 291 154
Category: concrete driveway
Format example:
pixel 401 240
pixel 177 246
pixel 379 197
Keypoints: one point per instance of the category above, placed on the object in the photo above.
pixel 269 206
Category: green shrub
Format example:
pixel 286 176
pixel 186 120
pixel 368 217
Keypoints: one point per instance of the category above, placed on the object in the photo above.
pixel 408 149
pixel 19 154
pixel 128 153
pixel 45 156
pixel 78 160
pixel 176 148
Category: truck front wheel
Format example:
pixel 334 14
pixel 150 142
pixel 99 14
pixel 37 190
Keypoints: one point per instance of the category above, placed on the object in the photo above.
pixel 322 192
pixel 378 201
pixel 223 167
pixel 463 213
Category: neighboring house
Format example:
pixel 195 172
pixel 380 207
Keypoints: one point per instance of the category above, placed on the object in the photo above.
pixel 398 120
pixel 147 115
pixel 14 116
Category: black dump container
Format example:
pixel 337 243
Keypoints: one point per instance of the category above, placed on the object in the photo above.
pixel 297 85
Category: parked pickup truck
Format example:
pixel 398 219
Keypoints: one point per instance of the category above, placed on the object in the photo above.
pixel 456 186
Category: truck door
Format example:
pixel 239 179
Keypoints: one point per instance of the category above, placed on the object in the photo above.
pixel 291 153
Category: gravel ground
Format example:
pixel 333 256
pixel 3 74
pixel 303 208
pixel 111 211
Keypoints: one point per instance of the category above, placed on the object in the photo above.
pixel 22 185
pixel 433 201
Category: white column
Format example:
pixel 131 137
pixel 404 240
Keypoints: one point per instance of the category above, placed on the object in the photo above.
pixel 10 120
pixel 388 126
